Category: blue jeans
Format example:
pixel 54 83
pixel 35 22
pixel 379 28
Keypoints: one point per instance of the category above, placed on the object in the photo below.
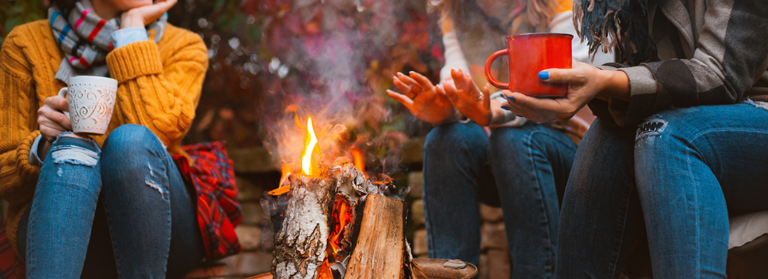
pixel 675 179
pixel 122 211
pixel 530 165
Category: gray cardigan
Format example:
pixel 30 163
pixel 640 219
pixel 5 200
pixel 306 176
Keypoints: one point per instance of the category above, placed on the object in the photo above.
pixel 711 52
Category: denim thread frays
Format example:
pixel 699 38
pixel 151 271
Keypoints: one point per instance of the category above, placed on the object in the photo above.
pixel 653 126
pixel 74 155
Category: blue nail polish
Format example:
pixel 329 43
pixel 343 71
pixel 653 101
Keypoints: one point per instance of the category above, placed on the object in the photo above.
pixel 505 107
pixel 543 75
pixel 511 99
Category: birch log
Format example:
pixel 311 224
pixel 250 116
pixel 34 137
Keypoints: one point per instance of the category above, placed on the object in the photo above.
pixel 300 243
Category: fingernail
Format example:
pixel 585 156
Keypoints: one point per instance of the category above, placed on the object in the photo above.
pixel 505 107
pixel 511 99
pixel 411 72
pixel 543 75
pixel 400 73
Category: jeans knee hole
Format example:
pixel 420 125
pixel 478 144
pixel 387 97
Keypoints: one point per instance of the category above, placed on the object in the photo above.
pixel 74 155
pixel 758 104
pixel 651 127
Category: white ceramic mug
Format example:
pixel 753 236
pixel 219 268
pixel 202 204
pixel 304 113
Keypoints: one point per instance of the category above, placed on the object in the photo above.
pixel 91 100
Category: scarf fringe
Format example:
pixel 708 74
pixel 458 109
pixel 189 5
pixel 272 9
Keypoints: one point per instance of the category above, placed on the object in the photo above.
pixel 606 24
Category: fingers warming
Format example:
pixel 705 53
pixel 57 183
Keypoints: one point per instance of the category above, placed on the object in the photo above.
pixel 407 80
pixel 407 102
pixel 421 80
pixel 400 85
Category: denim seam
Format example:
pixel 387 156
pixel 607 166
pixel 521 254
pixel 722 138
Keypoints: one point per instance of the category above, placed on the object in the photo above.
pixel 111 232
pixel 427 219
pixel 695 137
pixel 529 144
pixel 696 219
pixel 623 229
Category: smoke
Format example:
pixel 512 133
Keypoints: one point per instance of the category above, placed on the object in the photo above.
pixel 327 72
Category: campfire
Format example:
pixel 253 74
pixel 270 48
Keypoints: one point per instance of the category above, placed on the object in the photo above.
pixel 333 220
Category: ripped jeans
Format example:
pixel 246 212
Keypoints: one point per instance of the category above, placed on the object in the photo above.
pixel 122 211
pixel 674 180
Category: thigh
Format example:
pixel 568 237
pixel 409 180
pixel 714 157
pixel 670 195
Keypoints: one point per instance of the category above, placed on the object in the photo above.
pixel 728 140
pixel 148 204
pixel 186 247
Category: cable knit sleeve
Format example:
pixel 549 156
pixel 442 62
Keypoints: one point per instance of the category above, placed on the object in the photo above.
pixel 18 128
pixel 159 88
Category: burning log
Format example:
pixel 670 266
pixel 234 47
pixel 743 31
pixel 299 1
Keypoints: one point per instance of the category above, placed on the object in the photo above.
pixel 300 242
pixel 335 222
pixel 379 249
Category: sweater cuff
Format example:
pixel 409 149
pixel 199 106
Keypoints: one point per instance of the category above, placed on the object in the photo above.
pixel 642 97
pixel 134 60
pixel 26 170
pixel 34 158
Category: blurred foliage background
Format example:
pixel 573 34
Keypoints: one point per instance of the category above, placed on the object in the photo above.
pixel 266 54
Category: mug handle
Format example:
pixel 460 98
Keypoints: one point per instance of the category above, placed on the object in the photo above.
pixel 488 75
pixel 63 93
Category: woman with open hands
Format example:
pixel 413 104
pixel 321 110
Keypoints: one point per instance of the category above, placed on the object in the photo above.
pixel 521 165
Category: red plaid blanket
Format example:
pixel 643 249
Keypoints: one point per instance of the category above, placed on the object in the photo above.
pixel 217 209
pixel 10 266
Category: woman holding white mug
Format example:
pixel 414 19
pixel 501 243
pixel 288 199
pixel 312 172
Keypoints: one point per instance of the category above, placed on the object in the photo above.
pixel 112 202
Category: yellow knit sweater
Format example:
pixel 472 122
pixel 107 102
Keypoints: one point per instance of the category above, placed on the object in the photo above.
pixel 159 87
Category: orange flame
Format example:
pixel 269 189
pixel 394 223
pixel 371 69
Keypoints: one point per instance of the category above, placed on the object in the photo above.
pixel 359 162
pixel 342 215
pixel 283 188
pixel 306 159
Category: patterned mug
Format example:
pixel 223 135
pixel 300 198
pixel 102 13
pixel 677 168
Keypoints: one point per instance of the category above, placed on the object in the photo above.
pixel 91 100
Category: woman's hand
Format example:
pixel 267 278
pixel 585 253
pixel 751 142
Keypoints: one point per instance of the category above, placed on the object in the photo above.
pixel 585 82
pixel 425 101
pixel 51 118
pixel 467 98
pixel 52 122
pixel 141 16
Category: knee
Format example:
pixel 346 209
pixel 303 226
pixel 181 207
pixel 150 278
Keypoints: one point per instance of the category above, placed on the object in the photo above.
pixel 128 141
pixel 455 139
pixel 510 140
pixel 657 135
pixel 520 142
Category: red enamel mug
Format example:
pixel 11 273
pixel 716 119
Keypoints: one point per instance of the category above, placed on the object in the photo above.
pixel 528 55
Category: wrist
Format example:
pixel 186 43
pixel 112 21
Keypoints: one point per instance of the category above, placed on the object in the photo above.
pixel 615 84
pixel 130 19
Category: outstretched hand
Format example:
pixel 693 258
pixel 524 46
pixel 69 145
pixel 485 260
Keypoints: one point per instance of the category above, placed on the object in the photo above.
pixel 585 82
pixel 424 100
pixel 141 16
pixel 467 98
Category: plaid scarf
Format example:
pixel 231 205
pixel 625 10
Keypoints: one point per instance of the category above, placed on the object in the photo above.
pixel 86 39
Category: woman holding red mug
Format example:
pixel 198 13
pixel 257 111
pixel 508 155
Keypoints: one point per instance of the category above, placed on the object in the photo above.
pixel 679 143
pixel 522 163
